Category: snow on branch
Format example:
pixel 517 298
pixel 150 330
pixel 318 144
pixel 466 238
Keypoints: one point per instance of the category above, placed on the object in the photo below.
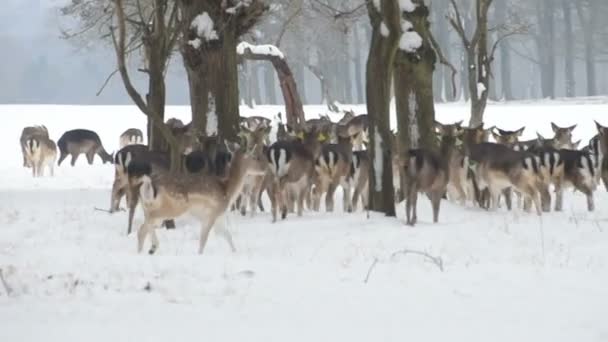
pixel 203 25
pixel 265 49
pixel 410 40
pixel 407 5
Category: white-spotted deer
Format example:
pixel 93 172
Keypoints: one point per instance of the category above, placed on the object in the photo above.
pixel 79 141
pixel 131 136
pixel 207 197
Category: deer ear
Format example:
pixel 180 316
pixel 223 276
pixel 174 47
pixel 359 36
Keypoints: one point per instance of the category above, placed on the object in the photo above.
pixel 496 136
pixel 554 127
pixel 439 127
pixel 575 145
pixel 571 128
pixel 539 137
pixel 459 123
pixel 520 131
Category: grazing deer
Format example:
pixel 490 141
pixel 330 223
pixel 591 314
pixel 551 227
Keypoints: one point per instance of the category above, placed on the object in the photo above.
pixel 563 137
pixel 359 173
pixel 79 141
pixel 292 166
pixel 428 171
pixel 40 132
pixel 40 152
pixel 206 197
pixel 131 136
pixel 498 168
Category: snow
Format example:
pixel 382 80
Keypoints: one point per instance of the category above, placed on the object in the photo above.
pixel 406 25
pixel 481 88
pixel 407 5
pixel 508 276
pixel 195 43
pixel 203 25
pixel 378 161
pixel 410 41
pixel 377 5
pixel 384 30
pixel 263 49
pixel 212 124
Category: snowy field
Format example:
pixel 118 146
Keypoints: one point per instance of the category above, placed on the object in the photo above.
pixel 74 275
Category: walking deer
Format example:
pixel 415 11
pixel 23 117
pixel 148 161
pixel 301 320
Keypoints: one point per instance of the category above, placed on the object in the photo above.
pixel 79 141
pixel 131 136
pixel 206 197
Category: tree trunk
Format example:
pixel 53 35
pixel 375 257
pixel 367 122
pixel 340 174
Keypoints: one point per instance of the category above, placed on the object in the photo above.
pixel 588 26
pixel 545 44
pixel 254 84
pixel 301 80
pixel 568 50
pixel 358 68
pixel 346 77
pixel 380 64
pixel 269 86
pixel 212 73
pixel 413 80
pixel 479 77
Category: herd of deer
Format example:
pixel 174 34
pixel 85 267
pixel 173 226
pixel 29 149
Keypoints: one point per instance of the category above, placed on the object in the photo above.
pixel 316 158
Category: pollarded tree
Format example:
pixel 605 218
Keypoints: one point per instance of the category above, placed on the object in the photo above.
pixel 413 79
pixel 385 20
pixel 211 30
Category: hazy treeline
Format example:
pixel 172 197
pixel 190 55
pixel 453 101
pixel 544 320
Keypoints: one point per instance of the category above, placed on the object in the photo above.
pixel 562 52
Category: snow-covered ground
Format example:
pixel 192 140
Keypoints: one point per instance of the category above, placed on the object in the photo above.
pixel 505 276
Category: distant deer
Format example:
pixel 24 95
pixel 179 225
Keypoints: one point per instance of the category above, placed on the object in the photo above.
pixel 252 123
pixel 40 132
pixel 40 152
pixel 130 137
pixel 206 197
pixel 79 141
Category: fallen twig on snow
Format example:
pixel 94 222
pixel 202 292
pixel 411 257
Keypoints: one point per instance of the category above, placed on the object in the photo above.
pixel 108 211
pixel 438 261
pixel 7 288
pixel 369 271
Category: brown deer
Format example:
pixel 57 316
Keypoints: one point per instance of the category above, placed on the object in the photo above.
pixel 40 152
pixel 563 137
pixel 206 197
pixel 40 132
pixel 292 166
pixel 427 171
pixel 131 136
pixel 254 184
pixel 79 141
pixel 359 173
pixel 498 167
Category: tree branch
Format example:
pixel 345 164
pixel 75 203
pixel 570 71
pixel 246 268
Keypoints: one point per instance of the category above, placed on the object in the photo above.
pixel 444 61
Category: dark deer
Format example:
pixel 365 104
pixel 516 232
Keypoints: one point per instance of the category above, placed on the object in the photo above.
pixel 79 141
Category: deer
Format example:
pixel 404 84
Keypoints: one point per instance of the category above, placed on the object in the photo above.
pixel 252 123
pixel 40 132
pixel 79 141
pixel 333 168
pixel 130 137
pixel 254 184
pixel 457 162
pixel 563 137
pixel 359 175
pixel 427 171
pixel 499 167
pixel 292 165
pixel 40 152
pixel 206 197
pixel 470 137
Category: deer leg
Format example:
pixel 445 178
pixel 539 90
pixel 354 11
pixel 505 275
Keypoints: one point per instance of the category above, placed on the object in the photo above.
pixel 545 198
pixel 224 232
pixel 90 157
pixel 559 197
pixel 587 191
pixel 355 198
pixel 347 204
pixel 508 193
pixel 329 197
pixel 147 227
pixel 435 202
pixel 74 158
pixel 117 193
pixel 205 229
pixel 533 194
pixel 301 197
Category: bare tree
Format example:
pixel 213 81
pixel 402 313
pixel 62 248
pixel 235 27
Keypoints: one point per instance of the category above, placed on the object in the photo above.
pixel 479 56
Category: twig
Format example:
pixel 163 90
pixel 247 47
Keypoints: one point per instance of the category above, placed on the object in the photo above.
pixel 105 83
pixel 108 211
pixel 369 271
pixel 7 288
pixel 435 260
